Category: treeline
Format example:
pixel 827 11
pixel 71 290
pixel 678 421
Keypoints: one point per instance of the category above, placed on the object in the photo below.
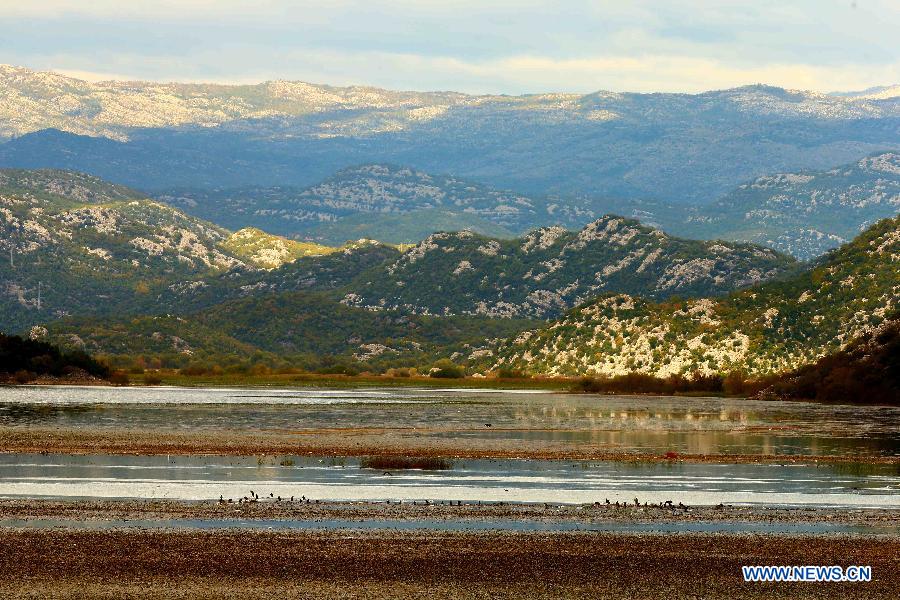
pixel 735 384
pixel 442 369
pixel 23 360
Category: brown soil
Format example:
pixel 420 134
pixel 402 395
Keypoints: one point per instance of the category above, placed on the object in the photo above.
pixel 247 564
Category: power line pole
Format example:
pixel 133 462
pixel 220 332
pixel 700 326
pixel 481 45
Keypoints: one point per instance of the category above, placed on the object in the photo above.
pixel 13 234
pixel 39 295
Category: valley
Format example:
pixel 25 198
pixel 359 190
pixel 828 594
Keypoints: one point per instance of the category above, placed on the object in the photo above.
pixel 449 300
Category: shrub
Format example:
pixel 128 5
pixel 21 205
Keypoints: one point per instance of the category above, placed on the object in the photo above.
pixel 152 379
pixel 505 373
pixel 193 370
pixel 447 369
pixel 41 358
pixel 735 383
pixel 642 383
pixel 118 378
pixel 339 369
pixel 404 462
pixel 398 372
pixel 22 376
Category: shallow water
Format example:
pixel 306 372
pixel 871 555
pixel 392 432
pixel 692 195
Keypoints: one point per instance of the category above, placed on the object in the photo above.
pixel 459 525
pixel 564 482
pixel 656 424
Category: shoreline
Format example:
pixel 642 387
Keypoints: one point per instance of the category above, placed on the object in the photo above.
pixel 557 385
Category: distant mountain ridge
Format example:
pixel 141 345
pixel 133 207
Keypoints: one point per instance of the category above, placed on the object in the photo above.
pixel 376 192
pixel 687 149
pixel 804 213
pixel 112 108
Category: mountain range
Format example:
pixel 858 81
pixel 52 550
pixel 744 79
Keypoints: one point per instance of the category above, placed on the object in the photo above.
pixel 60 226
pixel 78 246
pixel 292 316
pixel 347 229
pixel 804 213
pixel 685 149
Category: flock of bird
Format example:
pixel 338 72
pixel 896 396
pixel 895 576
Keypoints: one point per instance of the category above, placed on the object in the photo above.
pixel 254 498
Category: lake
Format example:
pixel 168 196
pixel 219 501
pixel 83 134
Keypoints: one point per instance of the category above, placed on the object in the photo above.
pixel 343 479
pixel 625 423
pixel 619 423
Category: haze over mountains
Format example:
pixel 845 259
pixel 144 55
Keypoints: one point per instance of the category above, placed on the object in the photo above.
pixel 803 213
pixel 678 148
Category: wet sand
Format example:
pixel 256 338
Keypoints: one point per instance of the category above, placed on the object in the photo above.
pixel 355 442
pixel 347 564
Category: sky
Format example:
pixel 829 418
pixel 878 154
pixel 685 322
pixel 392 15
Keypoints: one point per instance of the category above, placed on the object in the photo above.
pixel 474 46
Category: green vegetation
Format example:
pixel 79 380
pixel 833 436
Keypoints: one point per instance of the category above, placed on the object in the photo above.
pixel 446 369
pixel 73 244
pixel 152 289
pixel 268 251
pixel 762 330
pixel 734 384
pixel 305 330
pixel 867 371
pixel 550 270
pixel 23 360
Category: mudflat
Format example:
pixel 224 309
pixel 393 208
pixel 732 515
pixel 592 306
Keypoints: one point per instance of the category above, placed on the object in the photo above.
pixel 386 564
pixel 107 511
pixel 359 442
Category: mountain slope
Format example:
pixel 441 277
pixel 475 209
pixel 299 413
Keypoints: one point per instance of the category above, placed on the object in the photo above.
pixel 684 148
pixel 766 329
pixel 370 193
pixel 269 251
pixel 805 213
pixel 867 370
pixel 553 269
pixel 73 243
pixel 302 329
pixel 403 228
pixel 329 273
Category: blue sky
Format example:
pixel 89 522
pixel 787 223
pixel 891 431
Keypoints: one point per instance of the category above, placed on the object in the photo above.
pixel 487 46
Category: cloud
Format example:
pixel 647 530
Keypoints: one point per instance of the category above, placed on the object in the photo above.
pixel 508 46
pixel 515 74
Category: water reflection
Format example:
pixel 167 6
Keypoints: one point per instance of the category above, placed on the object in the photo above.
pixel 206 477
pixel 659 424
